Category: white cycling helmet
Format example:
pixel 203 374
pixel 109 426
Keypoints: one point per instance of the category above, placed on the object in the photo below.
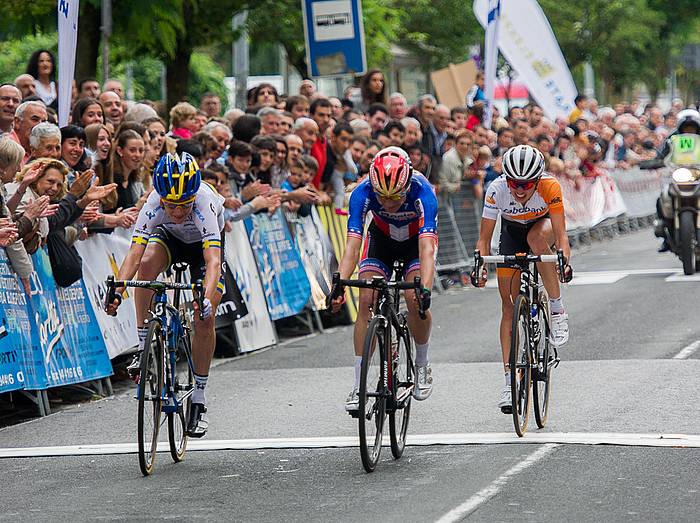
pixel 523 162
pixel 688 116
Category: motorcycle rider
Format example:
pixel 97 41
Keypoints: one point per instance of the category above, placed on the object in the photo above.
pixel 688 123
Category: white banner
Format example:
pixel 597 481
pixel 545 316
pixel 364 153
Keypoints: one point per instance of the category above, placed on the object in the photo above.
pixel 528 43
pixel 491 57
pixel 67 40
pixel 255 330
pixel 102 255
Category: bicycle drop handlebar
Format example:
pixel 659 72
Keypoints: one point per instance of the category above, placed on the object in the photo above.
pixel 379 283
pixel 197 289
pixel 522 259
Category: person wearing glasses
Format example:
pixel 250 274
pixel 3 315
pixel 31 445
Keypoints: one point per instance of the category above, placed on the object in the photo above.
pixel 181 221
pixel 532 221
pixel 403 227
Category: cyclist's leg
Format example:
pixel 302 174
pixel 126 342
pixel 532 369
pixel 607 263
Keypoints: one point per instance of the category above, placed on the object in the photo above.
pixel 540 238
pixel 508 289
pixel 155 260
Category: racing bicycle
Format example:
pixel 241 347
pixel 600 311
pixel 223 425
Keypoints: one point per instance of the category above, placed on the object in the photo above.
pixel 388 371
pixel 532 356
pixel 165 379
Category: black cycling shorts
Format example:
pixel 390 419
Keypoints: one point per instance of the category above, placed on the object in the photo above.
pixel 190 253
pixel 380 253
pixel 514 238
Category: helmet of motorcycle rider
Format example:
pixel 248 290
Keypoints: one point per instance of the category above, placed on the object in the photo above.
pixel 686 118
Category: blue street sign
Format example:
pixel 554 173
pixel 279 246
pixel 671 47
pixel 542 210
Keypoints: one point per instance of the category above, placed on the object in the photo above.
pixel 335 37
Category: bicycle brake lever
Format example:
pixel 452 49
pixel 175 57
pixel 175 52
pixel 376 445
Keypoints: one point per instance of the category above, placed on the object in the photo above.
pixel 418 288
pixel 110 292
pixel 199 298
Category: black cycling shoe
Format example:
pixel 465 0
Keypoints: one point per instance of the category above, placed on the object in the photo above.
pixel 197 424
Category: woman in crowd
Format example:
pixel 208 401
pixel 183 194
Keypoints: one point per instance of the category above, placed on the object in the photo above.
pixel 372 87
pixel 127 159
pixel 157 128
pixel 99 140
pixel 42 66
pixel 456 162
pixel 73 153
pixel 87 111
pixel 265 95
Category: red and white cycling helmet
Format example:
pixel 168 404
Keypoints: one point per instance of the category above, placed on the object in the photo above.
pixel 390 173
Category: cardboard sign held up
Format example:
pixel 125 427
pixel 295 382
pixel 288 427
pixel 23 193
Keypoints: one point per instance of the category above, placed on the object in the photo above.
pixel 452 83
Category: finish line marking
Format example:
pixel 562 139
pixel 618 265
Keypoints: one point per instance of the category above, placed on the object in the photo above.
pixel 485 494
pixel 688 351
pixel 493 438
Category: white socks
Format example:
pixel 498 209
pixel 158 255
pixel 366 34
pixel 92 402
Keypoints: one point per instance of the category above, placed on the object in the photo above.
pixel 200 383
pixel 556 306
pixel 358 371
pixel 422 354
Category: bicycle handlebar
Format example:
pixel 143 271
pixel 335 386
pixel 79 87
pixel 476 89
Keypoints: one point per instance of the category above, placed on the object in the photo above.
pixel 379 283
pixel 521 260
pixel 157 286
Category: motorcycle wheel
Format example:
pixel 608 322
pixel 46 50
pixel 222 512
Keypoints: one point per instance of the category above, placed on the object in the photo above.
pixel 688 241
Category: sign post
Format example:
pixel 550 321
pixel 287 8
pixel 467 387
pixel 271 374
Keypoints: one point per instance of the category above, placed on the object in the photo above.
pixel 335 37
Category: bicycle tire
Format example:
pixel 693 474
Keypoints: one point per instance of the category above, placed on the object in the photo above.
pixel 184 383
pixel 372 409
pixel 150 388
pixel 403 382
pixel 520 360
pixel 542 387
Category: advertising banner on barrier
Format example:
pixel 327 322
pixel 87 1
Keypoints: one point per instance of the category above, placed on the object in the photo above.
pixel 102 254
pixel 255 330
pixel 640 189
pixel 287 288
pixel 67 345
pixel 314 248
pixel 589 201
pixel 532 49
pixel 15 329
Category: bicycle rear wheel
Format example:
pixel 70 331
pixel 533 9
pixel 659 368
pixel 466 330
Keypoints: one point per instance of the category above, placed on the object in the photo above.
pixel 150 391
pixel 183 386
pixel 542 386
pixel 520 368
pixel 372 408
pixel 403 383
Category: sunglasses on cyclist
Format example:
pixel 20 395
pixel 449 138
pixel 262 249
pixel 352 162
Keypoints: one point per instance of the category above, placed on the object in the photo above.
pixel 173 206
pixel 525 186
pixel 394 197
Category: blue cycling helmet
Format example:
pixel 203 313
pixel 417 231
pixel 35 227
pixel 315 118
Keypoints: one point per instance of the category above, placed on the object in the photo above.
pixel 177 179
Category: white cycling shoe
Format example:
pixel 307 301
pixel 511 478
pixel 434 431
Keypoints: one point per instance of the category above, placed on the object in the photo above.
pixel 352 404
pixel 560 329
pixel 424 382
pixel 506 401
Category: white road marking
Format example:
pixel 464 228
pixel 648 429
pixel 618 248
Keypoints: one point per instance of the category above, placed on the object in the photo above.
pixel 688 351
pixel 420 440
pixel 680 277
pixel 484 495
pixel 598 278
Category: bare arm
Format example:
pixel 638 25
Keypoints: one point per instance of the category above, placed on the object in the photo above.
pixel 212 274
pixel 350 257
pixel 561 239
pixel 426 254
pixel 485 235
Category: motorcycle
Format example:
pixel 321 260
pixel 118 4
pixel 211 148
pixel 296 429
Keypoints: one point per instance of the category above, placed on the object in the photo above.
pixel 680 201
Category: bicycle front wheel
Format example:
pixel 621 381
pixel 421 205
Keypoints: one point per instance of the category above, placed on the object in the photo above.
pixel 520 364
pixel 372 408
pixel 542 385
pixel 183 383
pixel 403 384
pixel 150 391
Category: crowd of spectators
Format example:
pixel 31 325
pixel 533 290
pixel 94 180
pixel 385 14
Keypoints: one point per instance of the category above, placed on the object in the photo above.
pixel 58 185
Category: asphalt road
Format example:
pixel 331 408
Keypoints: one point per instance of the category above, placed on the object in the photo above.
pixel 628 379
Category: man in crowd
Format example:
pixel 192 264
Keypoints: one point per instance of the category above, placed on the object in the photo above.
pixel 116 86
pixel 307 131
pixel 398 106
pixel 210 105
pixel 114 110
pixel 88 88
pixel 270 120
pixel 10 98
pixel 45 141
pixel 377 117
pixel 321 114
pixel 27 116
pixel 221 133
pixel 295 148
pixel 26 84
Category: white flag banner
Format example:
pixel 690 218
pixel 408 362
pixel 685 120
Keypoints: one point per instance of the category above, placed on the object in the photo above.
pixel 491 57
pixel 67 40
pixel 528 43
